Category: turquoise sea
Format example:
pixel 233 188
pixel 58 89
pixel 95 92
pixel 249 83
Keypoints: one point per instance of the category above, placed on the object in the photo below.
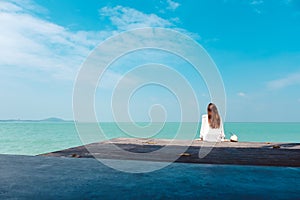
pixel 32 138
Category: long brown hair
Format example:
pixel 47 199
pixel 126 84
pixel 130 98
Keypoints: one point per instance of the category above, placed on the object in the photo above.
pixel 214 119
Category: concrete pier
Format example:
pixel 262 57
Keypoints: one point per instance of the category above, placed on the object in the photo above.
pixel 236 153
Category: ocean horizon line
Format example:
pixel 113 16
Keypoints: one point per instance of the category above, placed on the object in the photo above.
pixel 59 120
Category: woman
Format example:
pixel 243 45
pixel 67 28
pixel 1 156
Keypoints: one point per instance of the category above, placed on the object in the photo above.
pixel 212 126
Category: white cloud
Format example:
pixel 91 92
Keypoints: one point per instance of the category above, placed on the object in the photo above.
pixel 255 5
pixel 21 6
pixel 31 43
pixel 125 18
pixel 257 11
pixel 172 5
pixel 256 2
pixel 7 6
pixel 241 94
pixel 292 79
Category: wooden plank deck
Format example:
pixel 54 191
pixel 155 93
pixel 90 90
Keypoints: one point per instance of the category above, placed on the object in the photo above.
pixel 238 153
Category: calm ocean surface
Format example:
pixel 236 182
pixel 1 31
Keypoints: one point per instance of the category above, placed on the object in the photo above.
pixel 38 137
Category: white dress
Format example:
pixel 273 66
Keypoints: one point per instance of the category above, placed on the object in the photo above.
pixel 209 134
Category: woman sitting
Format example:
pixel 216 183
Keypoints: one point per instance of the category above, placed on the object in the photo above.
pixel 212 127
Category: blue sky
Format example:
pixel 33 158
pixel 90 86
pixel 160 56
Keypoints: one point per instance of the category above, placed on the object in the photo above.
pixel 254 43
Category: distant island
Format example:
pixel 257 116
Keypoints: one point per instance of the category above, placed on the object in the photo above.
pixel 51 119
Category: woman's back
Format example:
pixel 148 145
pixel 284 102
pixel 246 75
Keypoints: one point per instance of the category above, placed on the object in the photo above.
pixel 211 134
